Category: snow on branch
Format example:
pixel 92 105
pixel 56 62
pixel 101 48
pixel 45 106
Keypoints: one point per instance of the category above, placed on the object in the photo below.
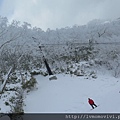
pixel 5 81
pixel 12 39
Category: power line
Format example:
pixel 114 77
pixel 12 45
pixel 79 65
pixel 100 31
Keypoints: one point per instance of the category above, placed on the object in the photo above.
pixel 73 43
pixel 105 43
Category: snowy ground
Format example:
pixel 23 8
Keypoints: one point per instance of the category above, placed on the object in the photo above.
pixel 70 95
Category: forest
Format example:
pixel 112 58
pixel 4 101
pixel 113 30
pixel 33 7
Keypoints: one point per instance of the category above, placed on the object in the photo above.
pixel 70 50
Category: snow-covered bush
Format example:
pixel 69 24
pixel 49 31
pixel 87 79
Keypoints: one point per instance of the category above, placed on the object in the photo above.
pixel 13 101
pixel 39 72
pixel 17 102
pixel 13 94
pixel 30 84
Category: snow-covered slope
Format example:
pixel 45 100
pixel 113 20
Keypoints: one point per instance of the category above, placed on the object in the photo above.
pixel 69 94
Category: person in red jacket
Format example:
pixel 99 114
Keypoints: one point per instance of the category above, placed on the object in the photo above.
pixel 91 102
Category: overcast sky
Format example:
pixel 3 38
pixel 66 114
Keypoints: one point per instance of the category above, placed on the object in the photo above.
pixel 59 13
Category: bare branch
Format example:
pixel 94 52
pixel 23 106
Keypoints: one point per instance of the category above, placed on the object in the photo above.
pixel 3 32
pixel 100 34
pixel 12 39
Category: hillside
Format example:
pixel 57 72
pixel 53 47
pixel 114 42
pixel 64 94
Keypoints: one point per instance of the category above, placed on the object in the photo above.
pixel 70 95
pixel 86 60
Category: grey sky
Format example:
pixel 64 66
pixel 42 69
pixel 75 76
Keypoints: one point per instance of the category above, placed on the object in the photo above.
pixel 59 13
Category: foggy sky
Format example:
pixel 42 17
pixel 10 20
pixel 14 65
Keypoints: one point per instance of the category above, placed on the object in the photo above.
pixel 59 13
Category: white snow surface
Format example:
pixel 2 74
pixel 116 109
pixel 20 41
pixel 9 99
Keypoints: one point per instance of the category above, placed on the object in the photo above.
pixel 69 94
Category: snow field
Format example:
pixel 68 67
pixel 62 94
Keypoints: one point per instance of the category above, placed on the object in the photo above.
pixel 70 95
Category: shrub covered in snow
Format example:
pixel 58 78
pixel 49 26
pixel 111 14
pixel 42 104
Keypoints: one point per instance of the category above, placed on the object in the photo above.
pixel 30 84
pixel 13 95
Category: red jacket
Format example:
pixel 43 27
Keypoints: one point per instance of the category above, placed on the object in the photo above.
pixel 91 101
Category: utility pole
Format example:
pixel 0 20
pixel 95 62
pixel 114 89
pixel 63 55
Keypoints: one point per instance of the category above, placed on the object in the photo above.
pixel 45 61
pixel 52 77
